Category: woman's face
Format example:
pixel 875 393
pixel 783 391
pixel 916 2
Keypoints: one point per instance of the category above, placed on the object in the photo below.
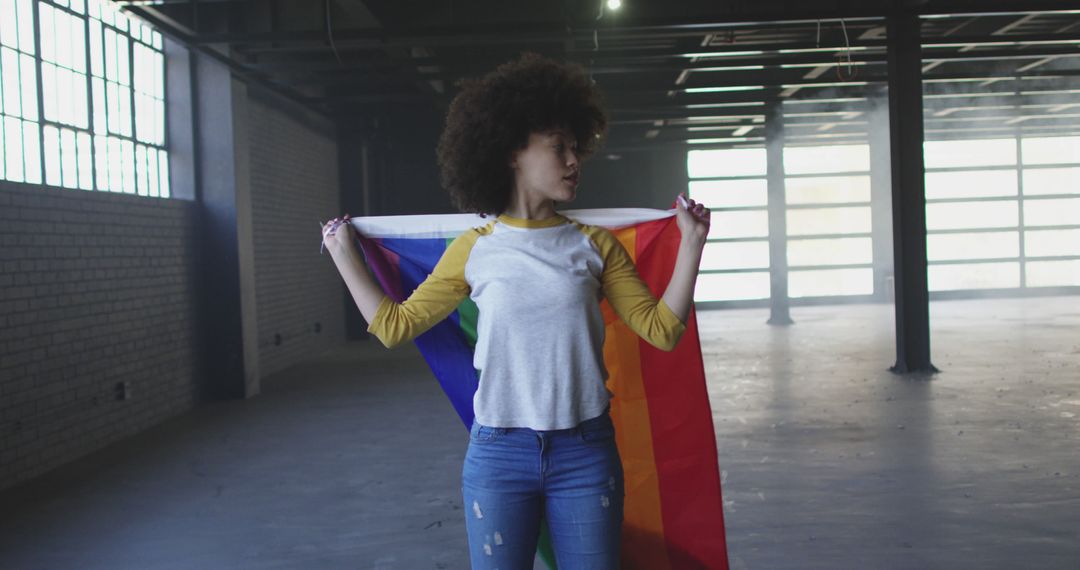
pixel 547 168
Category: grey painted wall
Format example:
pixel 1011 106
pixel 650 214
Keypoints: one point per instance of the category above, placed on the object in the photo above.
pixel 96 289
pixel 294 185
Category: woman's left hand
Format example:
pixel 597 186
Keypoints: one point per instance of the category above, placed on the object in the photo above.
pixel 693 220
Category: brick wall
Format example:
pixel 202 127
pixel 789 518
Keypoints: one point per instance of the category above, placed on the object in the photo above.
pixel 294 185
pixel 95 289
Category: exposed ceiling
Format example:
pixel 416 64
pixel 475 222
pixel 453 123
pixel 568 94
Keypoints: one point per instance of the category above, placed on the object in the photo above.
pixel 673 72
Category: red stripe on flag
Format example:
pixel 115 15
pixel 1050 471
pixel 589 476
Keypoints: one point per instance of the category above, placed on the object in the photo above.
pixel 684 441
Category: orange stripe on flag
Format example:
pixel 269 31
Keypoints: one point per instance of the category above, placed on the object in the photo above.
pixel 643 542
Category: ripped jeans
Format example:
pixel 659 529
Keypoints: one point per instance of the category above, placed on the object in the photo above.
pixel 572 477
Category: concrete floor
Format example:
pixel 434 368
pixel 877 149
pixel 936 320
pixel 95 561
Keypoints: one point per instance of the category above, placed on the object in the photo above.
pixel 828 460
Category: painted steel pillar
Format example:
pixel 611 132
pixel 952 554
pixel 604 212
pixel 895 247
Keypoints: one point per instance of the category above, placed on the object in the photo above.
pixel 908 193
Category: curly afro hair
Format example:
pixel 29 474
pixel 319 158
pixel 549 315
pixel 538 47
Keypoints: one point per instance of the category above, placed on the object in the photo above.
pixel 494 115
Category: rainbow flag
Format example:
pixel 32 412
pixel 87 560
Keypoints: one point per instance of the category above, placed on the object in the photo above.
pixel 673 509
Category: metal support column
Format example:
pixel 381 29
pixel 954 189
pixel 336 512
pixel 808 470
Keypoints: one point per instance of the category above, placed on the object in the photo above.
pixel 908 193
pixel 881 197
pixel 780 313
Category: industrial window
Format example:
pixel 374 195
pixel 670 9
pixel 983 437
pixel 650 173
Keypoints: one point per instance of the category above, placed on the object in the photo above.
pixel 735 261
pixel 829 246
pixel 83 98
pixel 1003 213
pixel 1050 171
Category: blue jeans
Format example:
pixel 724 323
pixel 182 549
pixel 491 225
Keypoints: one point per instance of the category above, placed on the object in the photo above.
pixel 572 477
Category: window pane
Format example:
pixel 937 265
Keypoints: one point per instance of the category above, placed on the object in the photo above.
pixel 735 255
pixel 112 98
pixel 941 247
pixel 163 173
pixel 124 108
pixel 1051 150
pixel 78 45
pixel 48 32
pixel 816 221
pixel 128 148
pixel 970 184
pixel 96 61
pixel 739 224
pixel 101 159
pixel 730 193
pixel 9 31
pixel 69 159
pixel 123 71
pixel 116 166
pixel 1064 212
pixel 48 90
pixel 159 122
pixel 1046 243
pixel 62 95
pixel 99 105
pixel 843 251
pixel 1003 214
pixel 732 286
pixel 1053 273
pixel 829 282
pixel 821 159
pixel 110 55
pixel 13 148
pixel 107 11
pixel 70 96
pixel 151 164
pixel 827 189
pixel 82 112
pixel 3 154
pixel 31 152
pixel 159 75
pixel 52 155
pixel 12 93
pixel 142 121
pixel 61 32
pixel 988 152
pixel 144 73
pixel 1051 181
pixel 726 162
pixel 973 276
pixel 141 186
pixel 26 26
pixel 86 169
pixel 29 88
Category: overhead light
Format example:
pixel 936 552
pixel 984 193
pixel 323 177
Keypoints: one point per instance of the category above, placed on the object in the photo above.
pixel 723 89
pixel 614 4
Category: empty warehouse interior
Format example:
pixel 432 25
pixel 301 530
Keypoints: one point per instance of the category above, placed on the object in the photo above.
pixel 888 303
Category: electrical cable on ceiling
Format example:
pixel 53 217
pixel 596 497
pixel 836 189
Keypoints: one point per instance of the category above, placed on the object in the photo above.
pixel 330 34
pixel 596 40
pixel 847 54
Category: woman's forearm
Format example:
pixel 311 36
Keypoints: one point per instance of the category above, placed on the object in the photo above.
pixel 679 295
pixel 364 290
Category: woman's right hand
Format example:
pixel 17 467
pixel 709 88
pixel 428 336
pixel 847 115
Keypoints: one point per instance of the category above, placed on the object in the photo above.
pixel 338 235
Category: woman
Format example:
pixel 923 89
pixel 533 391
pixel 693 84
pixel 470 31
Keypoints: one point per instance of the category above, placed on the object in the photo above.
pixel 542 443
